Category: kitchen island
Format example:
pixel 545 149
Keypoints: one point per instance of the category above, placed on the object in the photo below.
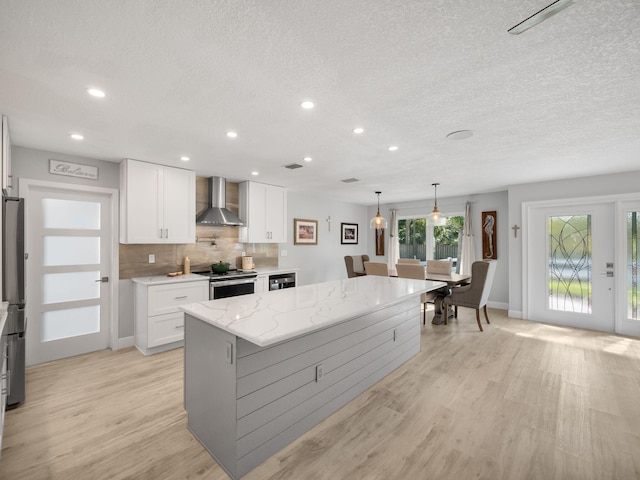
pixel 262 369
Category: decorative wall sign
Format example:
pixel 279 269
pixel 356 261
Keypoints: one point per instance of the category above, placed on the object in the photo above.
pixel 305 232
pixel 379 241
pixel 489 239
pixel 349 233
pixel 58 167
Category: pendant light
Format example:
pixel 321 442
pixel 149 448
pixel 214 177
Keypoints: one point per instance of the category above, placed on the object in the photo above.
pixel 378 221
pixel 436 218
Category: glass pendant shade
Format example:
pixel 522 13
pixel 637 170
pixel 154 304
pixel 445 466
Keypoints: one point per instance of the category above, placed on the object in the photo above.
pixel 378 221
pixel 436 218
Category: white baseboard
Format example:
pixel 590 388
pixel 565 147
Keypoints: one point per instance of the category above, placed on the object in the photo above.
pixel 498 305
pixel 514 314
pixel 123 343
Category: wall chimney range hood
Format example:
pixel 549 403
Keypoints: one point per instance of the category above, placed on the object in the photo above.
pixel 216 214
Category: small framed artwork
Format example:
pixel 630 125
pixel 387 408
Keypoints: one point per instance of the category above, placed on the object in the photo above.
pixel 305 232
pixel 489 247
pixel 349 233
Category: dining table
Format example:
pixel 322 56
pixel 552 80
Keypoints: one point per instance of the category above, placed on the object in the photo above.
pixel 451 279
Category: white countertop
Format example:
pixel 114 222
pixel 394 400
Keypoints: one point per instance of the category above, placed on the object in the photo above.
pixel 268 318
pixel 162 279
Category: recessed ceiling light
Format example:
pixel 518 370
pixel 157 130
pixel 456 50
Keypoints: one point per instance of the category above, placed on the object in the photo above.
pixel 307 104
pixel 358 130
pixel 96 92
pixel 307 159
pixel 393 148
pixel 76 136
pixel 254 173
pixel 232 134
pixel 460 135
pixel 184 158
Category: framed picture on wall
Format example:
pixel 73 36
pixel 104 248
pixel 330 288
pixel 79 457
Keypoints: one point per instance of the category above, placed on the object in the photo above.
pixel 349 233
pixel 489 240
pixel 305 232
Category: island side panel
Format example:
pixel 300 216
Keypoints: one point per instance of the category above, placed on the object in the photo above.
pixel 288 401
pixel 210 390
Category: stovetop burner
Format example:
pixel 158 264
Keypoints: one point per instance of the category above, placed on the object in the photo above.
pixel 231 273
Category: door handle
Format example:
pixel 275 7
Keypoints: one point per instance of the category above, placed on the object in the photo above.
pixel 103 280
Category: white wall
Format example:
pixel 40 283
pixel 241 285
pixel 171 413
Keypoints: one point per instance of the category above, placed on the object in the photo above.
pixel 497 201
pixel 323 262
pixel 34 164
pixel 613 184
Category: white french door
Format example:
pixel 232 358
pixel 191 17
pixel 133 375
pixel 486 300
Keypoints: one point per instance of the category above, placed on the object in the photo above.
pixel 69 292
pixel 582 264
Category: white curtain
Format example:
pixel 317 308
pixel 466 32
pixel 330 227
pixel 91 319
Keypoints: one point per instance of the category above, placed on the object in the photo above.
pixel 468 252
pixel 394 246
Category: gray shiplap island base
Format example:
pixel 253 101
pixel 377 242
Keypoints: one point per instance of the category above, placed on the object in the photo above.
pixel 262 369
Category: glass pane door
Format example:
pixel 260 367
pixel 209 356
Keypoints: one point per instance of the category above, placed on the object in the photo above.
pixel 570 266
pixel 69 255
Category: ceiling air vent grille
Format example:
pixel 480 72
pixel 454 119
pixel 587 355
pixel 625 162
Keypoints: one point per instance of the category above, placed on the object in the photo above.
pixel 293 166
pixel 350 180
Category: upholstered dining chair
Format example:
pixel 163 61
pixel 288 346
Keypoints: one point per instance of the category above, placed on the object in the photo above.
pixel 408 270
pixel 441 267
pixel 476 294
pixel 376 268
pixel 410 261
pixel 355 265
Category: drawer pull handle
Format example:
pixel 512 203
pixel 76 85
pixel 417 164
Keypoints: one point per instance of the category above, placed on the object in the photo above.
pixel 180 298
pixel 179 327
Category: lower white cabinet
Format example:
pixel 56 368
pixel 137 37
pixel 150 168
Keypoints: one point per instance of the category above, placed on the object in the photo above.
pixel 159 322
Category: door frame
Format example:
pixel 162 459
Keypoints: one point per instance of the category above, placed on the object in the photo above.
pixel 619 281
pixel 24 188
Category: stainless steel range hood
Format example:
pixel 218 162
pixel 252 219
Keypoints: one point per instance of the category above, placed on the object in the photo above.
pixel 217 215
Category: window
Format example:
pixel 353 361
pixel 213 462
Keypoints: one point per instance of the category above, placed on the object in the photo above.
pixel 419 240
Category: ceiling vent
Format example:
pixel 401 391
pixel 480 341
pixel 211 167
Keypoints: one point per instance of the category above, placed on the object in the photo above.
pixel 350 180
pixel 293 166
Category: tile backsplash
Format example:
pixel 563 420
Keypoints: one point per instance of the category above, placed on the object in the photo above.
pixel 213 244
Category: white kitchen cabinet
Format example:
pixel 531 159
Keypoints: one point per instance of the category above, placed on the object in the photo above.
pixel 159 322
pixel 157 203
pixel 263 209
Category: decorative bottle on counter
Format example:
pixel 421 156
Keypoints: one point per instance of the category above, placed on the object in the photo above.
pixel 187 266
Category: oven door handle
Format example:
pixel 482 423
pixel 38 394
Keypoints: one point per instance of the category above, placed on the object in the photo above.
pixel 237 281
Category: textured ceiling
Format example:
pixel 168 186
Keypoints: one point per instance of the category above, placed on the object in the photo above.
pixel 560 100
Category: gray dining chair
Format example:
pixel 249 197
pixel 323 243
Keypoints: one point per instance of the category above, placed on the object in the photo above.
pixel 355 265
pixel 476 294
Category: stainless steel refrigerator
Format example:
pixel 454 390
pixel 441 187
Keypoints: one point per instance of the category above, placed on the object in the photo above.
pixel 13 260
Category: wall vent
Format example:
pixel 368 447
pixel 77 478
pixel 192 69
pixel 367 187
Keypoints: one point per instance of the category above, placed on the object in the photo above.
pixel 293 166
pixel 350 180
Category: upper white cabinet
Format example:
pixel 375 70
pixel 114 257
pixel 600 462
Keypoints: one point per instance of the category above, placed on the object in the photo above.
pixel 6 156
pixel 157 203
pixel 263 209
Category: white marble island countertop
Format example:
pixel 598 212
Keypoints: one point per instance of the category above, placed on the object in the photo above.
pixel 268 318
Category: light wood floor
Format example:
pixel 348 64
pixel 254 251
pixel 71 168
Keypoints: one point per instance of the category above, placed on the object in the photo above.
pixel 521 400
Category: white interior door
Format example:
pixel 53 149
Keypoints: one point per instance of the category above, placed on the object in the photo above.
pixel 571 258
pixel 68 289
